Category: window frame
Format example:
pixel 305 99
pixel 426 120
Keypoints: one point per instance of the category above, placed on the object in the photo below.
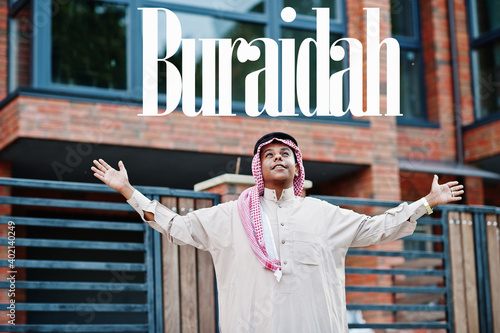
pixel 14 7
pixel 273 24
pixel 476 41
pixel 41 78
pixel 415 44
pixel 42 63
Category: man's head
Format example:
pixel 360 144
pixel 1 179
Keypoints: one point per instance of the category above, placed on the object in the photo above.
pixel 279 166
pixel 278 162
pixel 275 135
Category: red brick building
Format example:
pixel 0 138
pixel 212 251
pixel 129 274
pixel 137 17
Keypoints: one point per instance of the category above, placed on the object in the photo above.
pixel 71 91
pixel 46 116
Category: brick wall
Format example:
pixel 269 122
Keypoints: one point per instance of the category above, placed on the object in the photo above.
pixel 491 193
pixel 384 163
pixel 3 48
pixel 478 191
pixel 474 194
pixel 439 143
pixel 430 143
pixel 9 124
pixel 415 143
pixel 115 124
pixel 378 146
pixel 482 142
pixel 415 185
pixel 464 73
pixel 380 180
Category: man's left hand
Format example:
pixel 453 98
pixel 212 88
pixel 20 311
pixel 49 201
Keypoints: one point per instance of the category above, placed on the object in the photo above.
pixel 445 193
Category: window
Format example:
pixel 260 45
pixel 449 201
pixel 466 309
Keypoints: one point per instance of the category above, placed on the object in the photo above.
pixel 335 66
pixel 213 27
pixel 304 7
pixel 405 29
pixel 20 37
pixel 94 47
pixel 230 19
pixel 89 43
pixel 240 6
pixel 485 56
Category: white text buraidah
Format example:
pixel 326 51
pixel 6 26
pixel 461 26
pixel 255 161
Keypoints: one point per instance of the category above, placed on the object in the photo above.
pixel 295 71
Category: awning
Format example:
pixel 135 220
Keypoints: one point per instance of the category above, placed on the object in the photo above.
pixel 448 168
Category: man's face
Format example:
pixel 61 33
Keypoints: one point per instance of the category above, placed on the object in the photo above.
pixel 278 165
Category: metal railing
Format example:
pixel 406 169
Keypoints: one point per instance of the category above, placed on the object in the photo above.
pixel 424 279
pixel 91 265
pixel 82 265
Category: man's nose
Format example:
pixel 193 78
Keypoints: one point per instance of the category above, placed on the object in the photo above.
pixel 277 157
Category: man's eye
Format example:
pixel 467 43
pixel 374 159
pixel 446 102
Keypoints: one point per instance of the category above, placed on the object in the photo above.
pixel 269 155
pixel 285 153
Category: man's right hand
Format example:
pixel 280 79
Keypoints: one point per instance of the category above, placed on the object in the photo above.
pixel 116 179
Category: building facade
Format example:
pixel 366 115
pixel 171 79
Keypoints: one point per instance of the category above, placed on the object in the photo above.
pixel 71 91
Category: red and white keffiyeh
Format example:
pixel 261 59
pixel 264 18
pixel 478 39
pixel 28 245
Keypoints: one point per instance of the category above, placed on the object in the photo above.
pixel 249 206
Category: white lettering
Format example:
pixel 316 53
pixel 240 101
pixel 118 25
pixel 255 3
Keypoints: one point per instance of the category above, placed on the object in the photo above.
pixel 295 73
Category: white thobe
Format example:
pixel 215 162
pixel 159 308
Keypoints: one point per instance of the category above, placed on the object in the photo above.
pixel 311 237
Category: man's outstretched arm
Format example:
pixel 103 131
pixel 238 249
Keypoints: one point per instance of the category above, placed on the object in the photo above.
pixel 117 180
pixel 205 229
pixel 399 221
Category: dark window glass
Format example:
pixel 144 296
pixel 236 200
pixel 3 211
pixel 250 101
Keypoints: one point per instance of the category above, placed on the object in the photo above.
pixel 335 66
pixel 242 6
pixel 485 18
pixel 305 7
pixel 20 48
pixel 487 15
pixel 89 44
pixel 213 28
pixel 402 18
pixel 487 85
pixel 410 84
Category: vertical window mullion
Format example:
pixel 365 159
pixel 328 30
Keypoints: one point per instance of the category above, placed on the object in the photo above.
pixel 42 24
pixel 410 43
pixel 274 26
pixel 134 49
pixel 475 86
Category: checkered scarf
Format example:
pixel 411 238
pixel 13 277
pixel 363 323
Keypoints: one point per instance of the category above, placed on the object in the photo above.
pixel 249 207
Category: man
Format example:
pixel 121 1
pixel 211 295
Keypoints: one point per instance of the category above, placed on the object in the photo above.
pixel 279 258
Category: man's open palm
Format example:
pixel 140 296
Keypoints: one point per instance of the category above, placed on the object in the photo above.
pixel 116 179
pixel 444 193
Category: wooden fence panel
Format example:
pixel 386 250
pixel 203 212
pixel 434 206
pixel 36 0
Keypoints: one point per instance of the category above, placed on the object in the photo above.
pixel 206 284
pixel 457 273
pixel 170 268
pixel 469 272
pixel 188 279
pixel 492 235
pixel 189 298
